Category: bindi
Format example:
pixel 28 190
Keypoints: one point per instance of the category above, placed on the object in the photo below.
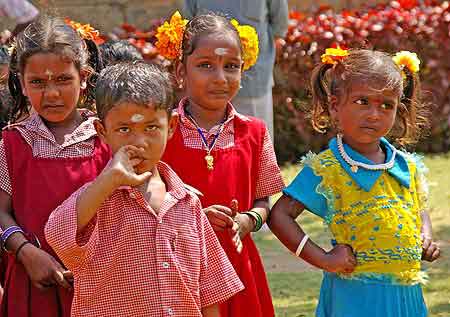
pixel 220 51
pixel 137 118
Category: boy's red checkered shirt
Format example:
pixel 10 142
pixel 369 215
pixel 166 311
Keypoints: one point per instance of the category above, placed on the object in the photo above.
pixel 131 261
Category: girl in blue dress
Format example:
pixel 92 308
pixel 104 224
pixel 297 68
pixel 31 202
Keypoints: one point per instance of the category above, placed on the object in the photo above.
pixel 371 195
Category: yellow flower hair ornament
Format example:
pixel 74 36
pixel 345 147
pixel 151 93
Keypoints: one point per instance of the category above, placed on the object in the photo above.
pixel 334 55
pixel 170 36
pixel 249 42
pixel 407 59
pixel 86 31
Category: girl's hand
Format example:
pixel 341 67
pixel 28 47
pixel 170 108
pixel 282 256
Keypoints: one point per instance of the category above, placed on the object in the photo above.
pixel 123 167
pixel 220 217
pixel 43 269
pixel 340 259
pixel 430 250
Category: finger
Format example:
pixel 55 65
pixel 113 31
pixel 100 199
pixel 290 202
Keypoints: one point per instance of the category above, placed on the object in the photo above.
pixel 436 254
pixel 141 178
pixel 68 275
pixel 58 277
pixel 426 243
pixel 222 209
pixel 217 228
pixel 429 252
pixel 214 214
pixel 217 222
pixel 135 161
pixel 234 206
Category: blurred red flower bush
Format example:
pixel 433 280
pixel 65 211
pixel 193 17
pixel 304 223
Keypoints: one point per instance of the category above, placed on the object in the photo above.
pixel 400 25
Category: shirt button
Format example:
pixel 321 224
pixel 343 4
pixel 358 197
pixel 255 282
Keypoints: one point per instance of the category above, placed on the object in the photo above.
pixel 165 265
pixel 159 220
pixel 170 311
pixel 132 195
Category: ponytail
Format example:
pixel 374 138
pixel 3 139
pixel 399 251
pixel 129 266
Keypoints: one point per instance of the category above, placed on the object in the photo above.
pixel 20 104
pixel 320 114
pixel 96 63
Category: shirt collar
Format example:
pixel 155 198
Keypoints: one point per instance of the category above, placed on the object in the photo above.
pixel 231 114
pixel 367 178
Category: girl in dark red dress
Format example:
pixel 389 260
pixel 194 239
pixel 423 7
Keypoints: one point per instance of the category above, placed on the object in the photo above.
pixel 45 156
pixel 228 157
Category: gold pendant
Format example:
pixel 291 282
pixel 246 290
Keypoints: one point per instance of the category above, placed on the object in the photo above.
pixel 354 168
pixel 209 161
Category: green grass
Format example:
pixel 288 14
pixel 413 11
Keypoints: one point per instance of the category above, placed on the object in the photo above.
pixel 295 285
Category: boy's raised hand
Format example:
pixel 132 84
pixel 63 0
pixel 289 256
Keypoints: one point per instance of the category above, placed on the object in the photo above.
pixel 340 259
pixel 123 166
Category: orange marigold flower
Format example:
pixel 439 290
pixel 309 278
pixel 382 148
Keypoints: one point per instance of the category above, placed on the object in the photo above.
pixel 334 55
pixel 170 36
pixel 249 42
pixel 86 31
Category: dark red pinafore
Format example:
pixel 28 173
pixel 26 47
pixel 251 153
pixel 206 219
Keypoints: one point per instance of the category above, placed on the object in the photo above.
pixel 39 185
pixel 234 177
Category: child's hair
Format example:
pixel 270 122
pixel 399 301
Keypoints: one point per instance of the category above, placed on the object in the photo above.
pixel 206 24
pixel 133 82
pixel 50 34
pixel 115 51
pixel 368 66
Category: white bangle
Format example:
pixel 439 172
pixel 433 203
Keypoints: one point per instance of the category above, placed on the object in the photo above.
pixel 301 245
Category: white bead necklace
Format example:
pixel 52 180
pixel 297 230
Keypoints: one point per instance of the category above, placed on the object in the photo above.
pixel 355 164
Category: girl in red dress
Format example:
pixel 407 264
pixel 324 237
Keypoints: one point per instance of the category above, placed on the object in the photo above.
pixel 47 154
pixel 228 157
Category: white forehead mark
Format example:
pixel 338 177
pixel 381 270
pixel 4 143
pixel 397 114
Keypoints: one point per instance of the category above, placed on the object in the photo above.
pixel 220 51
pixel 137 118
pixel 49 73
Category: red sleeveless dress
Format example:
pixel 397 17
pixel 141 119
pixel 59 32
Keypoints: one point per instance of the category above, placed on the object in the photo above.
pixel 39 185
pixel 234 177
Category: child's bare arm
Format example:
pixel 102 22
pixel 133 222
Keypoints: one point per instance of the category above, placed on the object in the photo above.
pixel 283 225
pixel 41 267
pixel 119 173
pixel 430 250
pixel 211 311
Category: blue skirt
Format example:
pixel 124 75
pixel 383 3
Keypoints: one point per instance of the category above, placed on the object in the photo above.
pixel 355 298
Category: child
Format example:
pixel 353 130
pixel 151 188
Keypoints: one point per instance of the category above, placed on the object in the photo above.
pixel 227 156
pixel 115 51
pixel 135 238
pixel 371 195
pixel 43 159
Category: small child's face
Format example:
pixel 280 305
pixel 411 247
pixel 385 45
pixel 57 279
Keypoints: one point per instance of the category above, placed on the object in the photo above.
pixel 212 73
pixel 367 113
pixel 52 85
pixel 142 126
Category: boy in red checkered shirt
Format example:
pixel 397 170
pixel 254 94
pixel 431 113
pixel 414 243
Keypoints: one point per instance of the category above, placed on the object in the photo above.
pixel 136 239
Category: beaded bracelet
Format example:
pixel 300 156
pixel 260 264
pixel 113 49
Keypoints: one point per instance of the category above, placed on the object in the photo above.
pixel 8 233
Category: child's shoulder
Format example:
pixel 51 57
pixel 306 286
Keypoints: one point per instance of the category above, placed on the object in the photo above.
pixel 323 159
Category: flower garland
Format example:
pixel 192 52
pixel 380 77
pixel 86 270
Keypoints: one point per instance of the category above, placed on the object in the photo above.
pixel 170 37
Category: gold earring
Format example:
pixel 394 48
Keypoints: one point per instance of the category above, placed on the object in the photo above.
pixel 180 85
